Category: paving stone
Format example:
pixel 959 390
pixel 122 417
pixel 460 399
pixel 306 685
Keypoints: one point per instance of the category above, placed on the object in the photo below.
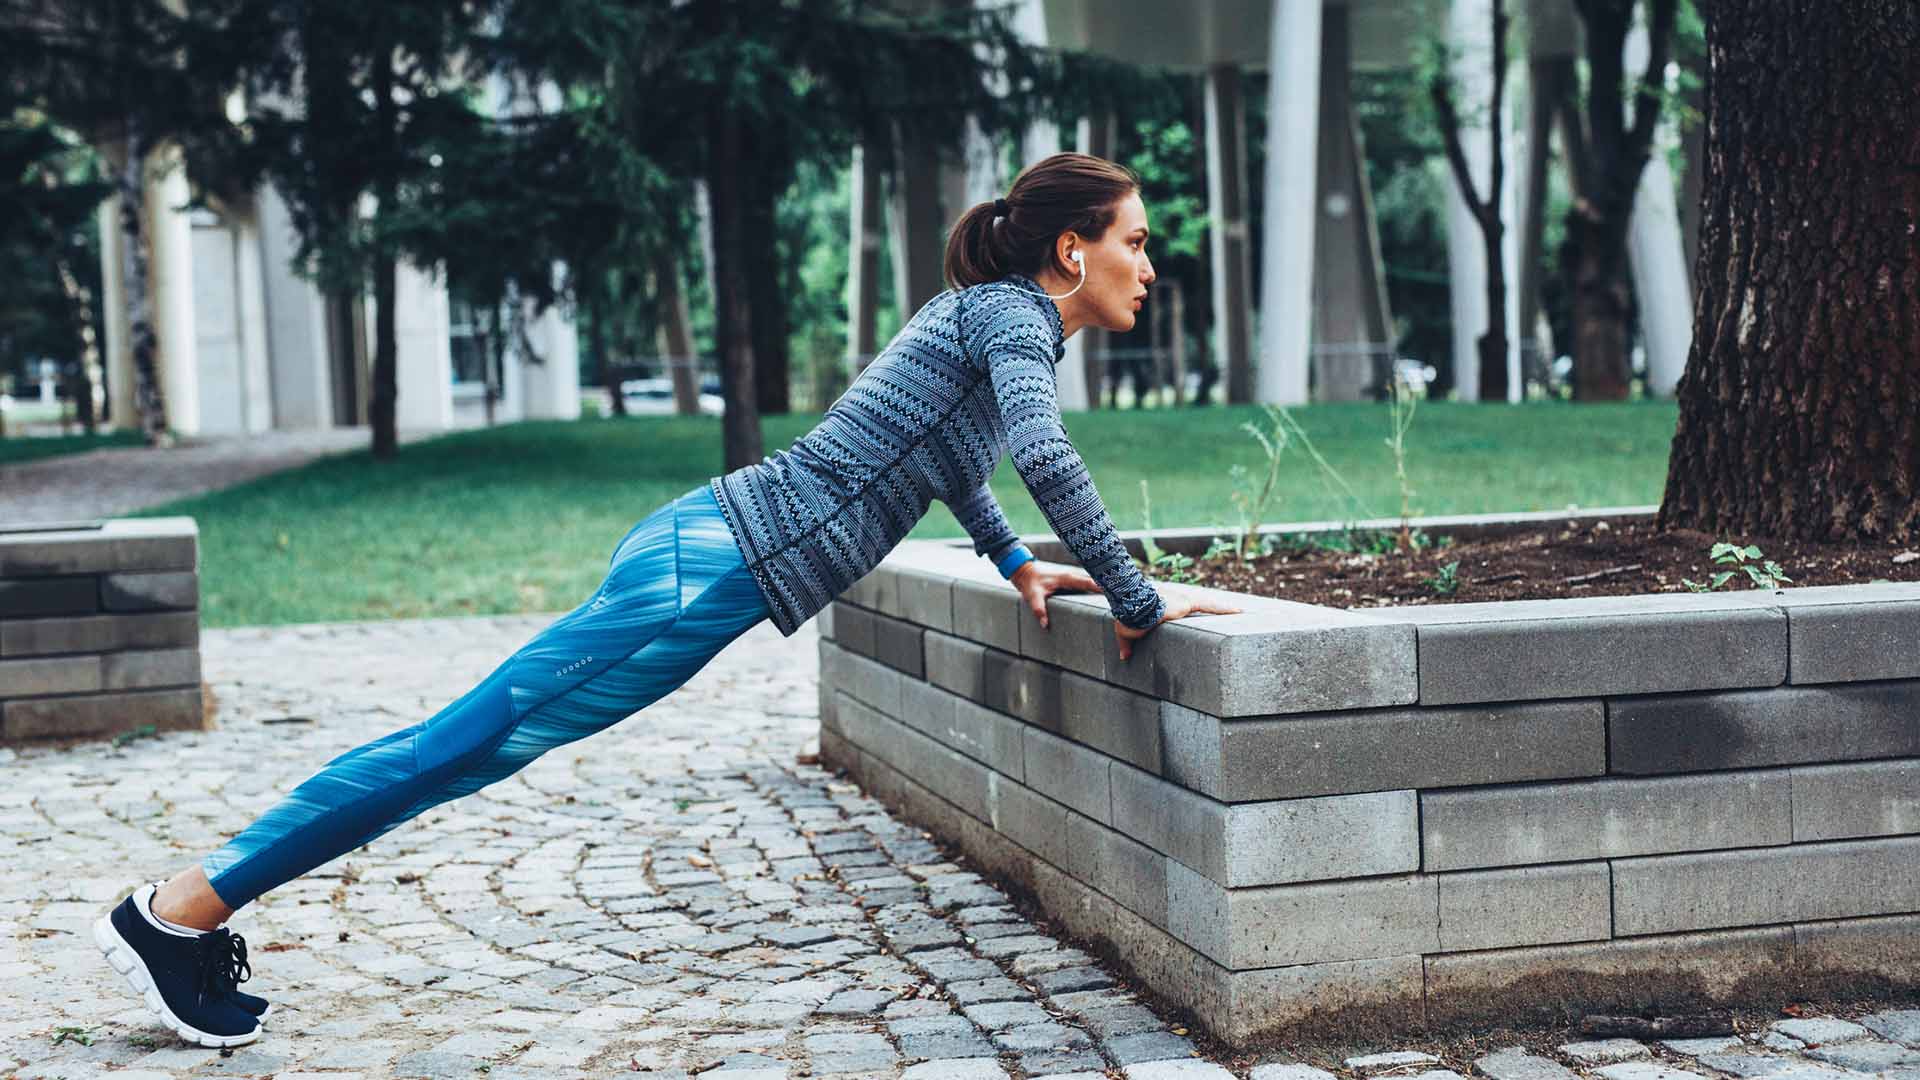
pixel 1866 1055
pixel 1001 1015
pixel 1515 1063
pixel 1601 1051
pixel 980 991
pixel 1069 980
pixel 849 1052
pixel 1176 1070
pixel 1644 1070
pixel 1035 1038
pixel 1146 1046
pixel 857 1003
pixel 955 1069
pixel 1368 1064
pixel 1815 1030
pixel 1288 1072
pixel 1746 1065
pixel 1899 1025
pixel 1696 1047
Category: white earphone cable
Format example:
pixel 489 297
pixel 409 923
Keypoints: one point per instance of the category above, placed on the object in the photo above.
pixel 1083 280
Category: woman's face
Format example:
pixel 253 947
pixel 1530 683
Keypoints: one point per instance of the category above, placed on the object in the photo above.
pixel 1118 270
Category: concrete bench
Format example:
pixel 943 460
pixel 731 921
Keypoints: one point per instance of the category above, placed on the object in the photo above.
pixel 1432 814
pixel 99 628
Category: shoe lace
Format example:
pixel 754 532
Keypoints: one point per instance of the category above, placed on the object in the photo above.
pixel 222 963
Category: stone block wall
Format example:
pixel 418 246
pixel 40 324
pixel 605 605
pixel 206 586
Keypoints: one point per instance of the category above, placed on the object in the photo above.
pixel 99 629
pixel 1433 812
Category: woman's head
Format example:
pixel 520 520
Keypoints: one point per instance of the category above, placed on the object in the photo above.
pixel 1057 207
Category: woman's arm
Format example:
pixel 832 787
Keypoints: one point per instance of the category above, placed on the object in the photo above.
pixel 1016 344
pixel 993 536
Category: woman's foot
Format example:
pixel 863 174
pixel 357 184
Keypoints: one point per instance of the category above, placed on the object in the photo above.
pixel 188 980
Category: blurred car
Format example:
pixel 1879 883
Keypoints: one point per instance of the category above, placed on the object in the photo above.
pixel 654 397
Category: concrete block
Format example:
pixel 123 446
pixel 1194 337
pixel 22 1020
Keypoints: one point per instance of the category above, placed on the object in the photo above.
pixel 1116 722
pixel 101 714
pixel 956 664
pixel 173 590
pixel 1887 946
pixel 1603 819
pixel 1023 688
pixel 1660 643
pixel 989 613
pixel 98 633
pixel 898 644
pixel 1874 798
pixel 28 597
pixel 1070 774
pixel 1266 997
pixel 143 669
pixel 874 591
pixel 166 543
pixel 1602 976
pixel 829 715
pixel 927 709
pixel 823 621
pixel 1852 633
pixel 49 675
pixel 955 778
pixel 1075 637
pixel 1801 883
pixel 868 680
pixel 925 597
pixel 994 739
pixel 1383 749
pixel 1033 821
pixel 1281 658
pixel 1132 874
pixel 859 722
pixel 1270 843
pixel 1277 925
pixel 1787 725
pixel 853 628
pixel 1529 905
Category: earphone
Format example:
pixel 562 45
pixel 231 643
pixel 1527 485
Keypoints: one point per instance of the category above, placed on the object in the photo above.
pixel 1077 257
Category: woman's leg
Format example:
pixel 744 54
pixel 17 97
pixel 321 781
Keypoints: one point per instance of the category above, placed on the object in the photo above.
pixel 676 594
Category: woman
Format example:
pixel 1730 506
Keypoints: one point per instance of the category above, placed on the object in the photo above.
pixel 970 377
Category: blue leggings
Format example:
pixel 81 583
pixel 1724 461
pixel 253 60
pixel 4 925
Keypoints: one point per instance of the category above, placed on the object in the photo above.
pixel 677 591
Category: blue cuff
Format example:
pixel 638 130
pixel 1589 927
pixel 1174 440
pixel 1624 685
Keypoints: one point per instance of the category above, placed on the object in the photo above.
pixel 1014 560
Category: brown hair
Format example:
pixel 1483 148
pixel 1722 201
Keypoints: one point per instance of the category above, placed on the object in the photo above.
pixel 1015 235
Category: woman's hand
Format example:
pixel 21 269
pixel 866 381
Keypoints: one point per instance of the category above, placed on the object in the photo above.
pixel 1036 585
pixel 1179 606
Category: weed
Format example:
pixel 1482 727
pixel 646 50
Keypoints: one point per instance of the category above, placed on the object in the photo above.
pixel 1767 575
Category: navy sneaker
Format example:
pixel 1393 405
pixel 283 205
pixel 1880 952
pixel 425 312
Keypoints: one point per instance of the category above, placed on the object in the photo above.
pixel 260 1007
pixel 189 982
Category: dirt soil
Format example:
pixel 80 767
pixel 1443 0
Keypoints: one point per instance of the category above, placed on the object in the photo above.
pixel 1575 557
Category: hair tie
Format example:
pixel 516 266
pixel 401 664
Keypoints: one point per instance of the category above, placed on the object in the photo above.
pixel 1001 209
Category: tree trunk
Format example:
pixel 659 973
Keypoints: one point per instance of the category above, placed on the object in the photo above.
pixel 1797 407
pixel 606 372
pixel 676 328
pixel 385 393
pixel 1602 311
pixel 143 341
pixel 740 426
pixel 766 300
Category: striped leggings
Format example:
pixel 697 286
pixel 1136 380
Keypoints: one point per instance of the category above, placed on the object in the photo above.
pixel 676 592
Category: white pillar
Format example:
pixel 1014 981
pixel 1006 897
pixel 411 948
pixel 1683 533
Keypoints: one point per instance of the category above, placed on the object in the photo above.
pixel 1469 28
pixel 301 382
pixel 551 388
pixel 423 359
pixel 118 346
pixel 1039 142
pixel 171 274
pixel 216 312
pixel 1656 252
pixel 255 362
pixel 1293 131
pixel 1228 247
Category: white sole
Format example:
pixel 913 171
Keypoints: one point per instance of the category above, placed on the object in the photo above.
pixel 128 963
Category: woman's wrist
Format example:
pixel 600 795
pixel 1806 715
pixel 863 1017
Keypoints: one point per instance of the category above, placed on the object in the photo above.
pixel 1013 560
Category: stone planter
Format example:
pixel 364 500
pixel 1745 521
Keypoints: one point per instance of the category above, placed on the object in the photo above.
pixel 1422 815
pixel 99 628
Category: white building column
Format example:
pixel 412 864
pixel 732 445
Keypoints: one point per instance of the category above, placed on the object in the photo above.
pixel 117 354
pixel 1228 248
pixel 1286 253
pixel 1469 28
pixel 301 382
pixel 255 361
pixel 171 273
pixel 1656 253
pixel 551 388
pixel 423 358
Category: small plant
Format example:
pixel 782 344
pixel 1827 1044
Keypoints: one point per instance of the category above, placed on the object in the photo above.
pixel 144 731
pixel 1220 548
pixel 1172 564
pixel 1447 581
pixel 1401 408
pixel 1767 575
pixel 66 1033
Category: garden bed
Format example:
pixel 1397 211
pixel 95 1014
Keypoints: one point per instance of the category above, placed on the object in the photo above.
pixel 1569 556
pixel 1427 813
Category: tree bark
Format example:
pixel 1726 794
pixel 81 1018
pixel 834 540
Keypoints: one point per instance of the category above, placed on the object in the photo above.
pixel 676 329
pixel 766 300
pixel 740 426
pixel 384 396
pixel 606 372
pixel 1492 342
pixel 1798 413
pixel 142 339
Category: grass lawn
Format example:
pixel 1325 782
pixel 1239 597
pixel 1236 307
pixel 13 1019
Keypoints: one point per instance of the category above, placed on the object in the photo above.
pixel 524 517
pixel 17 448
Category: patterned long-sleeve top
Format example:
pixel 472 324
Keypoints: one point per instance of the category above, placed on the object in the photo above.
pixel 969 378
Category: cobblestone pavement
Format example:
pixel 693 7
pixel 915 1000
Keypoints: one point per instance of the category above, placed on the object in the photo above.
pixel 116 479
pixel 672 897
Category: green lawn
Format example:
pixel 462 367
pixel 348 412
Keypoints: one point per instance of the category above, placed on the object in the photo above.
pixel 524 517
pixel 18 448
